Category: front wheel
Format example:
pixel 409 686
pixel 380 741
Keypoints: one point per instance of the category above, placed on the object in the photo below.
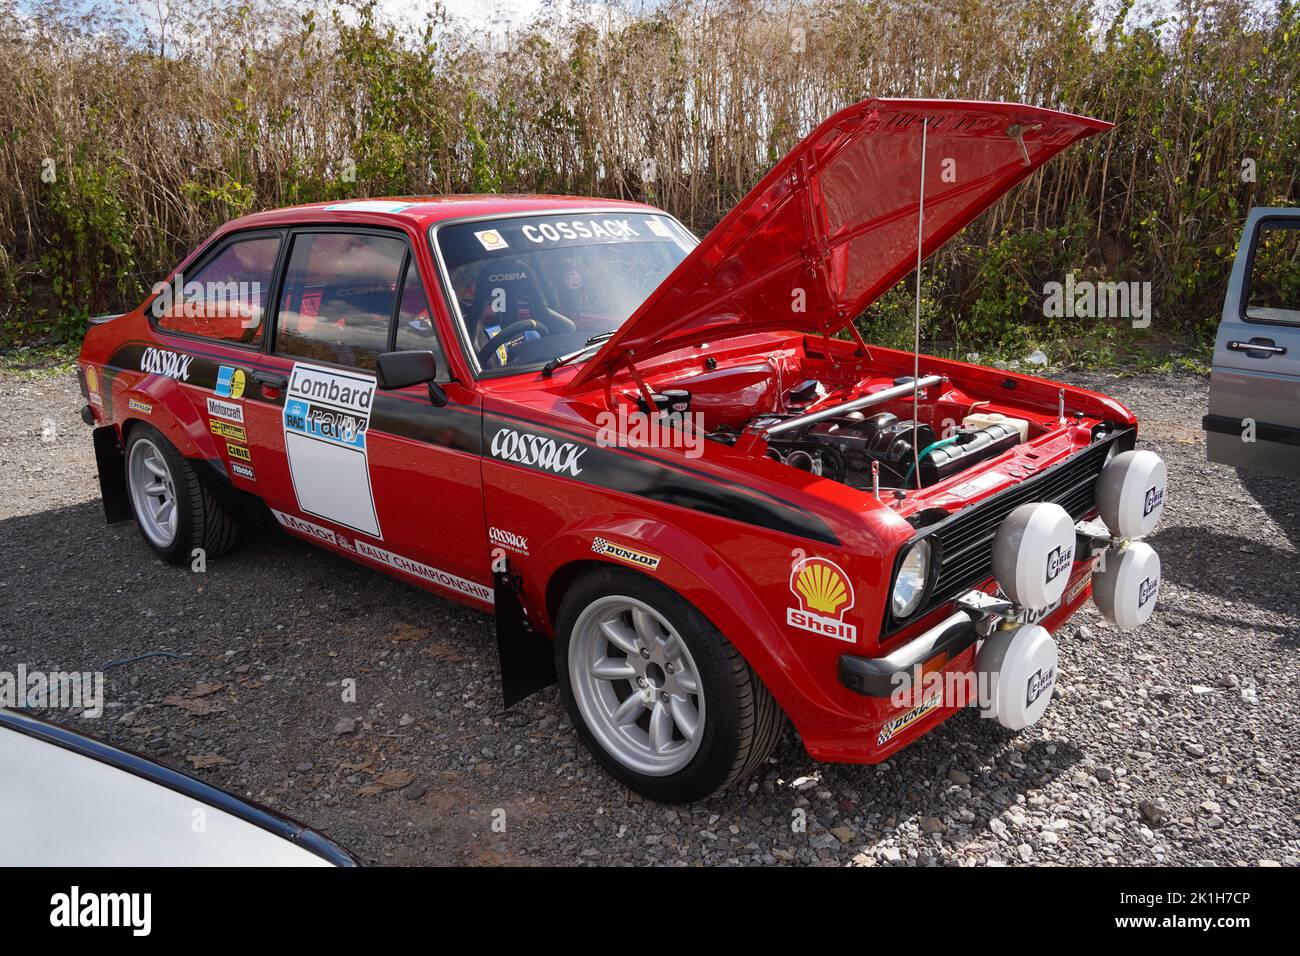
pixel 662 700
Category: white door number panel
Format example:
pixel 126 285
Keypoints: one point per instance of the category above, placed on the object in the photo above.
pixel 326 421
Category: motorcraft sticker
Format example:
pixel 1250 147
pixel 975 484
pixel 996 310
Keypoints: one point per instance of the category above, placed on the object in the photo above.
pixel 225 430
pixel 162 362
pixel 227 410
pixel 230 382
pixel 612 549
pixel 326 421
pixel 308 528
pixel 825 594
pixel 903 721
pixel 422 571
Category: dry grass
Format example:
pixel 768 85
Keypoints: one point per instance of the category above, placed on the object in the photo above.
pixel 155 140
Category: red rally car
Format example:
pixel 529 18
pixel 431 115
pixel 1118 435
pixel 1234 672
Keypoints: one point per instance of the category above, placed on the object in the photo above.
pixel 671 468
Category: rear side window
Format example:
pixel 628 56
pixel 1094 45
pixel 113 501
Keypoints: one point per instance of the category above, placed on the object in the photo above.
pixel 340 295
pixel 1273 291
pixel 225 298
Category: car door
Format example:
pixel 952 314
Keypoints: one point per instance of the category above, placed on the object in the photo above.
pixel 389 476
pixel 1254 415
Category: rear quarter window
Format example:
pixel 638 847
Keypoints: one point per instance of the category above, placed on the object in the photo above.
pixel 225 298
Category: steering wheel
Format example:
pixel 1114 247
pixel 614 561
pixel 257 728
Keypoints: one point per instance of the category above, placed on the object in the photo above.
pixel 509 336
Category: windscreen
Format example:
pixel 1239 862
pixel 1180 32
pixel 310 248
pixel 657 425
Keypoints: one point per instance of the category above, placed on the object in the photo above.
pixel 530 289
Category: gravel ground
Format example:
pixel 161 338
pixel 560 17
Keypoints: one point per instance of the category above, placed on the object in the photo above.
pixel 1175 744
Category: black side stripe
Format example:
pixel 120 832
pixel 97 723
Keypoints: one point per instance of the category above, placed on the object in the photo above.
pixel 462 428
pixel 626 471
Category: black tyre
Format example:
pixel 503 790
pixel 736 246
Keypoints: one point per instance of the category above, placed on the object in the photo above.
pixel 173 509
pixel 658 695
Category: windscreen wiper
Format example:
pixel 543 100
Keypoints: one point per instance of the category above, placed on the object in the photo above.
pixel 559 360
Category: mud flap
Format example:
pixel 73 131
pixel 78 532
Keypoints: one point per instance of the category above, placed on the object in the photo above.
pixel 527 658
pixel 111 464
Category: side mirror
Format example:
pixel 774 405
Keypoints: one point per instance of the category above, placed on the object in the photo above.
pixel 400 369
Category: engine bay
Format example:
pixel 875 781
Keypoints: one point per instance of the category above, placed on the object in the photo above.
pixel 790 398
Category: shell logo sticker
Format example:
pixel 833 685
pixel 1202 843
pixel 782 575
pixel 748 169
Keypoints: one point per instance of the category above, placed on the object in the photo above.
pixel 491 240
pixel 825 594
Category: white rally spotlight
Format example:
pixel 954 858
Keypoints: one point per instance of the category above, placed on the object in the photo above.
pixel 1017 671
pixel 1033 553
pixel 1131 493
pixel 1127 584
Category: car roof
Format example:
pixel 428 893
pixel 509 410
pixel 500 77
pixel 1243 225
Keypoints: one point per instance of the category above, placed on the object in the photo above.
pixel 423 211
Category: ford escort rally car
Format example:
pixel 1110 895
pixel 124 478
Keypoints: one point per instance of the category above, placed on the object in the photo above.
pixel 671 468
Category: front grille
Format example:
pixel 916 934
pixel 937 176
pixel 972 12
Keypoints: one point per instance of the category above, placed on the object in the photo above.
pixel 964 541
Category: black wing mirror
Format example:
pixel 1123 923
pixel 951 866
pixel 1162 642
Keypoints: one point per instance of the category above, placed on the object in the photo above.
pixel 400 369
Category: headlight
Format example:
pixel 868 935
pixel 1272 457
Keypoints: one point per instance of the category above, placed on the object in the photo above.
pixel 909 586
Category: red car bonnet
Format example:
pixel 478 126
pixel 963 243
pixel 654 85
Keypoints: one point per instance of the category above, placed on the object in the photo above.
pixel 833 226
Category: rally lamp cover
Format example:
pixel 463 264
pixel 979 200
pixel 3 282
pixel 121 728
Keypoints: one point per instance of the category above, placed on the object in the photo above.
pixel 1131 493
pixel 1033 553
pixel 1127 584
pixel 1017 669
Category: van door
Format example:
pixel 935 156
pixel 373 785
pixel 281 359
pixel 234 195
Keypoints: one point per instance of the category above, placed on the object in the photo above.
pixel 1254 419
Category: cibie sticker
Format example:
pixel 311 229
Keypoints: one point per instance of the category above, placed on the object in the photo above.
pixel 491 240
pixel 903 721
pixel 825 595
pixel 612 549
pixel 227 410
pixel 326 422
pixel 230 382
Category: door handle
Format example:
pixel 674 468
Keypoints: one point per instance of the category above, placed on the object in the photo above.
pixel 1257 345
pixel 271 381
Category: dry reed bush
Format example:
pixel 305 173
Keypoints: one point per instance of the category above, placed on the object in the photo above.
pixel 158 136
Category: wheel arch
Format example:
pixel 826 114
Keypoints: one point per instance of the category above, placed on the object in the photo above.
pixel 700 575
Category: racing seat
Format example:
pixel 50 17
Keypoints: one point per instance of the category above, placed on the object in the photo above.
pixel 523 298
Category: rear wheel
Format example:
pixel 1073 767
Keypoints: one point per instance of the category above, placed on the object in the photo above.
pixel 659 696
pixel 173 509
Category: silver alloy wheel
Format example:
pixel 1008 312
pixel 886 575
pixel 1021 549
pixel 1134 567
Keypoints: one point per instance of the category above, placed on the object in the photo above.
pixel 636 685
pixel 153 492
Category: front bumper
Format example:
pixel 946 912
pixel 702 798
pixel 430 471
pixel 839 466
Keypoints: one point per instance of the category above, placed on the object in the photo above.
pixel 934 649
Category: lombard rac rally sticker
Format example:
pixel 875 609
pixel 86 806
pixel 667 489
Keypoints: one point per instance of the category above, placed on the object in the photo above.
pixel 903 721
pixel 825 594
pixel 491 240
pixel 326 421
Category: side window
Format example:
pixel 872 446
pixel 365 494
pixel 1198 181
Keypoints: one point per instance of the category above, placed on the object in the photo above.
pixel 1273 290
pixel 415 329
pixel 340 292
pixel 226 298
